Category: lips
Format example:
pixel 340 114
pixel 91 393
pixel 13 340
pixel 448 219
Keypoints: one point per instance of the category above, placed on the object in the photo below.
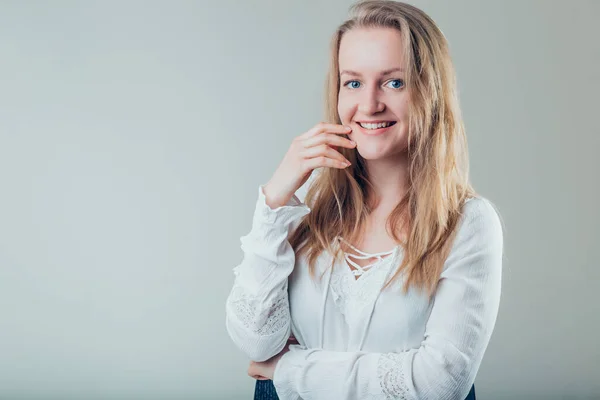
pixel 375 124
pixel 371 131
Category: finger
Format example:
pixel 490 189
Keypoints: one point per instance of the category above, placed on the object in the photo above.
pixel 330 139
pixel 323 150
pixel 259 377
pixel 252 370
pixel 322 127
pixel 322 161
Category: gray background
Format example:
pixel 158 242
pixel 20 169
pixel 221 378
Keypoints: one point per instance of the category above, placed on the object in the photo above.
pixel 134 136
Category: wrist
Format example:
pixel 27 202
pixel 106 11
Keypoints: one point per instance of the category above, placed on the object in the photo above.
pixel 273 200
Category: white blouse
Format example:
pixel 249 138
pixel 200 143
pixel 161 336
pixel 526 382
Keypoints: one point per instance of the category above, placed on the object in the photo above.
pixel 356 341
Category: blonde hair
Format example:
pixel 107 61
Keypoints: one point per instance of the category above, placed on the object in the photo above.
pixel 438 180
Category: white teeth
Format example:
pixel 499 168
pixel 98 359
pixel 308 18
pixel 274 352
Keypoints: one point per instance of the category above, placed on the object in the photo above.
pixel 375 126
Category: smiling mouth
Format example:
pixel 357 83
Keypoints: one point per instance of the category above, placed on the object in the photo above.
pixel 377 125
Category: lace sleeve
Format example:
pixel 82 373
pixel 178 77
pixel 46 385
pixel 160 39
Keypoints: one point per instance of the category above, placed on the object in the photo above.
pixel 257 308
pixel 392 378
pixel 260 320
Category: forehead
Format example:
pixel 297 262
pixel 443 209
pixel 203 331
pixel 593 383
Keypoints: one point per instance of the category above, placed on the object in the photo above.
pixel 371 50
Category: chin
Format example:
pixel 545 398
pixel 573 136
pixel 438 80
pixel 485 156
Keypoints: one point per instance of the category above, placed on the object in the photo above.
pixel 373 151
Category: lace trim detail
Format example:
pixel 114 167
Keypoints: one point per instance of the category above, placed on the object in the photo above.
pixel 340 286
pixel 262 321
pixel 391 376
pixel 350 294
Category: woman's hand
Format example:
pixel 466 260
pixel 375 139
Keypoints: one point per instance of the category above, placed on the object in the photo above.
pixel 266 369
pixel 313 149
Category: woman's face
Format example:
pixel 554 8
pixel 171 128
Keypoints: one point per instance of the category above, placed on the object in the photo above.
pixel 372 89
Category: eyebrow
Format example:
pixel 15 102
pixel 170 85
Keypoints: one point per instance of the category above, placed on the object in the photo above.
pixel 386 72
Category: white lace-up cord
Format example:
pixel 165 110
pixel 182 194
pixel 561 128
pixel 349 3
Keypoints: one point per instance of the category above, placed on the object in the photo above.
pixel 365 256
pixel 359 271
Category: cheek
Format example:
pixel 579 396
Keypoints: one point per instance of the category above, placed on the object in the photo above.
pixel 344 110
pixel 402 108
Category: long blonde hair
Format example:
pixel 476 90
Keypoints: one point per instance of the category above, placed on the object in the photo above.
pixel 438 183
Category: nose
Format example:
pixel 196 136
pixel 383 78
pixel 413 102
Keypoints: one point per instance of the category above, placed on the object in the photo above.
pixel 369 102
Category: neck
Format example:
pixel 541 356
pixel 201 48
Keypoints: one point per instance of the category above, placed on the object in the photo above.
pixel 389 177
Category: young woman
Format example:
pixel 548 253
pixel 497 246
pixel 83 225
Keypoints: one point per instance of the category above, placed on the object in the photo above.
pixel 388 271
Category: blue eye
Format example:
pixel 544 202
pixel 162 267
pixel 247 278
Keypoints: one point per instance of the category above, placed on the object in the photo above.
pixel 399 85
pixel 354 87
pixel 398 80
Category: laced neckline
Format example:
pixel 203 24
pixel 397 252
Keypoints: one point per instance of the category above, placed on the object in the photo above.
pixel 359 271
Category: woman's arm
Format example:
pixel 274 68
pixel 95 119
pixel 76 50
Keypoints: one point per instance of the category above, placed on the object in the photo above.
pixel 457 333
pixel 257 308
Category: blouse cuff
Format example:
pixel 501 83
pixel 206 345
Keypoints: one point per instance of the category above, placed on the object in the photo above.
pixel 286 372
pixel 282 215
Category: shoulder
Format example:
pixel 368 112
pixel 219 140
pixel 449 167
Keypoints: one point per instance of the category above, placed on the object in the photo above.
pixel 479 212
pixel 480 226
